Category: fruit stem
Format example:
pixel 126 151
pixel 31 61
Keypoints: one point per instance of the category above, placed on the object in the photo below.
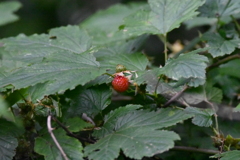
pixel 165 47
pixel 109 75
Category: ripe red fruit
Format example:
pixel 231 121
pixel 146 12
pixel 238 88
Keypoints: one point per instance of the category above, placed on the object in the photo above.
pixel 120 83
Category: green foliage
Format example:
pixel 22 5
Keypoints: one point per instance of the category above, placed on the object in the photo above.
pixel 103 26
pixel 5 111
pixel 8 139
pixel 90 101
pixel 220 46
pixel 160 17
pixel 233 155
pixel 6 12
pixel 203 117
pixel 44 145
pixel 67 73
pixel 136 134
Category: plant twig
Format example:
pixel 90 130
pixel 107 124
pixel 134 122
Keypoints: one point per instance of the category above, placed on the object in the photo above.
pixel 165 48
pixel 224 60
pixel 176 96
pixel 50 129
pixel 70 133
pixel 215 115
pixel 236 24
pixel 192 149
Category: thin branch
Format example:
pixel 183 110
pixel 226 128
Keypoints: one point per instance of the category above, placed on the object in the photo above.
pixel 165 48
pixel 176 96
pixel 192 149
pixel 50 129
pixel 155 90
pixel 70 133
pixel 236 24
pixel 215 115
pixel 224 60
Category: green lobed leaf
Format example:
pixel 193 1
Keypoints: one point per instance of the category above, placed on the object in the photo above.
pixel 202 117
pixel 8 141
pixel 237 109
pixel 189 65
pixel 219 8
pixel 206 93
pixel 137 134
pixel 111 118
pixel 64 69
pixel 229 155
pixel 162 16
pixel 200 21
pixel 219 46
pixel 35 48
pixel 77 124
pixel 121 47
pixel 6 12
pixel 90 100
pixel 230 68
pixel 133 62
pixel 104 25
pixel 45 146
pixel 154 85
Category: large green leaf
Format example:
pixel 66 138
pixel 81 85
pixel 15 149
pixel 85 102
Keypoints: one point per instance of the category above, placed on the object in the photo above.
pixel 90 100
pixel 237 109
pixel 203 117
pixel 45 146
pixel 219 46
pixel 230 68
pixel 189 65
pixel 121 47
pixel 133 62
pixel 64 70
pixel 151 78
pixel 229 155
pixel 137 134
pixel 110 120
pixel 200 21
pixel 35 48
pixel 103 26
pixel 220 8
pixel 206 93
pixel 6 12
pixel 77 124
pixel 8 140
pixel 162 16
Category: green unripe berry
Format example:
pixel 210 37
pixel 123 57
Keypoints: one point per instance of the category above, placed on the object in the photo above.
pixel 120 68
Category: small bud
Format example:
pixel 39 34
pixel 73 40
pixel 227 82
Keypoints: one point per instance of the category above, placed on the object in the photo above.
pixel 120 68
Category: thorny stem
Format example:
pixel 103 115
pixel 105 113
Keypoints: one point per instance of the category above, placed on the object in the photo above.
pixel 192 149
pixel 50 129
pixel 70 133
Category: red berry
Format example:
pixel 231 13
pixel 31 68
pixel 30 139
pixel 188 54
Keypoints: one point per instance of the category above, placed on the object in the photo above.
pixel 120 83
